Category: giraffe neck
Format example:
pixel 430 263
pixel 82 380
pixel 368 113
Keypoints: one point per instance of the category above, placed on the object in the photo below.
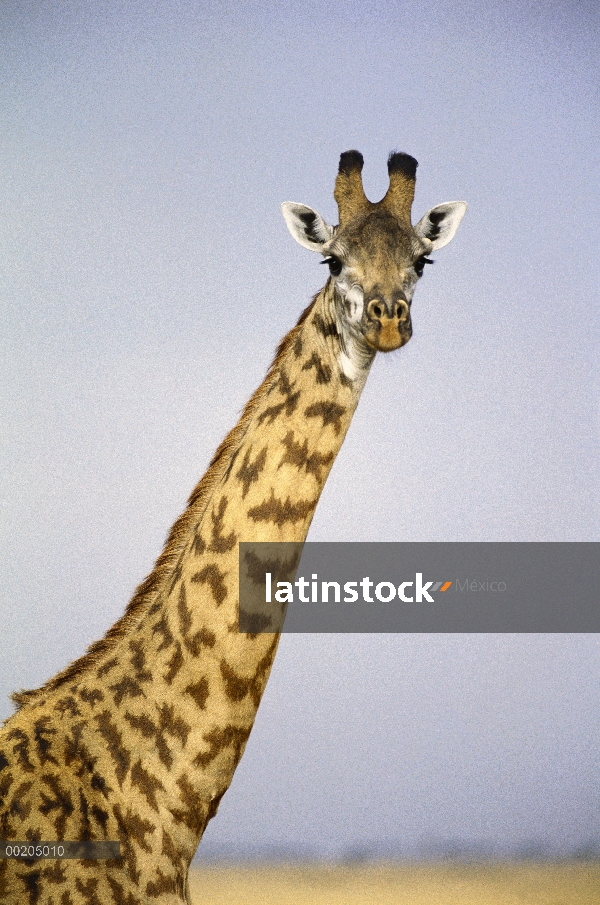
pixel 271 471
pixel 170 694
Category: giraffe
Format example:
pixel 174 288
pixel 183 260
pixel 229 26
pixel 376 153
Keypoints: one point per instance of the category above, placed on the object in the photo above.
pixel 138 739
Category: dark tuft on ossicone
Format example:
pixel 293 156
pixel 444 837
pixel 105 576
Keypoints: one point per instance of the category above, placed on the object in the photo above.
pixel 350 161
pixel 402 163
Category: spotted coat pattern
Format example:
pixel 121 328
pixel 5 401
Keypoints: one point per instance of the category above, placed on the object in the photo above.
pixel 138 740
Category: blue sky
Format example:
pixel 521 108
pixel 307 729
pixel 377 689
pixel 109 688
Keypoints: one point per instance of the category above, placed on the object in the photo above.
pixel 147 276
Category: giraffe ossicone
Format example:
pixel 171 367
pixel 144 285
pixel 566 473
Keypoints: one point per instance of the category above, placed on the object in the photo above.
pixel 138 739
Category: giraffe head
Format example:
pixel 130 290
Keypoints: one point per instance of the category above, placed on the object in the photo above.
pixel 375 255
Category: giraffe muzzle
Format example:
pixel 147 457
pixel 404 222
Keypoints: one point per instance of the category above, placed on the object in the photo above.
pixel 388 324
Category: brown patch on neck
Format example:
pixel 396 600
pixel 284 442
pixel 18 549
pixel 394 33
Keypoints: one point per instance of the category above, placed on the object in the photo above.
pixel 297 454
pixel 279 512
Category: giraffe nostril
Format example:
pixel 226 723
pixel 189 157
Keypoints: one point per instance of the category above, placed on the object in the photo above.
pixel 380 311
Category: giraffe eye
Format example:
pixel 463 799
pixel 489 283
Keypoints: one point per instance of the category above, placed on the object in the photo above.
pixel 335 265
pixel 420 264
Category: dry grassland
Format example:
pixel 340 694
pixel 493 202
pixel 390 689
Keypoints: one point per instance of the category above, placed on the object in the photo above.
pixel 431 884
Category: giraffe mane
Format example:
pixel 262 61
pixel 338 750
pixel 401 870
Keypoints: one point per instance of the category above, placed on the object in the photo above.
pixel 151 589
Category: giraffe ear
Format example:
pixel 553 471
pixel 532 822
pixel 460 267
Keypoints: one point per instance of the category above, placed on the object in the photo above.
pixel 306 226
pixel 440 223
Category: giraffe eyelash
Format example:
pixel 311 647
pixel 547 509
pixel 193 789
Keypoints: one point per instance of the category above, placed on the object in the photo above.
pixel 335 265
pixel 420 264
